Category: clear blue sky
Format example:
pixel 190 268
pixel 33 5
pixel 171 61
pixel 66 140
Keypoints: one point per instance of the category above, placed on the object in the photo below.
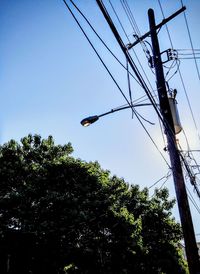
pixel 51 78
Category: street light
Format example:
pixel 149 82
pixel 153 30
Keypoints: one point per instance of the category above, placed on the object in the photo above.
pixel 92 119
pixel 89 120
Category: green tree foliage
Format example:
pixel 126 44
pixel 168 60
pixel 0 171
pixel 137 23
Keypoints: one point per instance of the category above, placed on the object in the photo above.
pixel 59 214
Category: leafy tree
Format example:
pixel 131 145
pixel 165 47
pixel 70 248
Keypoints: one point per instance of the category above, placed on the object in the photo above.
pixel 59 214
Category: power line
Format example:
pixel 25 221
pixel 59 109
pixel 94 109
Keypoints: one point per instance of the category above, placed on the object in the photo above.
pixel 188 101
pixel 129 42
pixel 193 201
pixel 141 42
pixel 190 38
pixel 91 44
pixel 166 177
pixel 180 75
pixel 136 114
pixel 136 71
pixel 102 41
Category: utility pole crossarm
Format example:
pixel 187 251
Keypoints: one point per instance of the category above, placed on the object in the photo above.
pixel 164 21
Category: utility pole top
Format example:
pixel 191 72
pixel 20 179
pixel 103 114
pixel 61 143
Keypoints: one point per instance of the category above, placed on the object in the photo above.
pixel 164 21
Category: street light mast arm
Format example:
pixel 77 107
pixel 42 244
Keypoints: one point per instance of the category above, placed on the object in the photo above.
pixel 92 119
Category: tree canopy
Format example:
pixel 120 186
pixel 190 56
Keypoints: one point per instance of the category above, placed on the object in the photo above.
pixel 59 214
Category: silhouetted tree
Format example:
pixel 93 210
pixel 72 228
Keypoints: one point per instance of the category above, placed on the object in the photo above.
pixel 59 214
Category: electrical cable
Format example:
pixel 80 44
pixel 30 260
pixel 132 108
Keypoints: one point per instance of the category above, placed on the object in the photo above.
pixel 158 181
pixel 130 42
pixel 188 101
pixel 129 88
pixel 193 201
pixel 187 49
pixel 134 25
pixel 137 31
pixel 170 68
pixel 165 24
pixel 113 79
pixel 111 76
pixel 190 174
pixel 180 75
pixel 86 36
pixel 130 17
pixel 190 38
pixel 169 130
pixel 129 84
pixel 135 53
pixel 189 58
pixel 178 66
pixel 102 41
pixel 138 75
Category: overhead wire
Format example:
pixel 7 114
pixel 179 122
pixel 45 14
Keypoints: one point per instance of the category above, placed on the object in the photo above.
pixel 133 110
pixel 129 83
pixel 166 177
pixel 177 63
pixel 187 49
pixel 192 200
pixel 189 104
pixel 169 130
pixel 188 58
pixel 133 23
pixel 114 10
pixel 190 172
pixel 129 88
pixel 135 69
pixel 178 66
pixel 180 75
pixel 102 41
pixel 103 63
pixel 191 42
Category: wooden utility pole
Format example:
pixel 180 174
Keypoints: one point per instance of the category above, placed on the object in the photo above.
pixel 181 194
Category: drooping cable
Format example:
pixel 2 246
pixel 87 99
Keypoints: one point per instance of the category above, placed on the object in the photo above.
pixel 134 25
pixel 114 80
pixel 127 55
pixel 138 33
pixel 129 89
pixel 124 49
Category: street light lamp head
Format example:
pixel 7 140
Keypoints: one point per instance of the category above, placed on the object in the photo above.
pixel 89 120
